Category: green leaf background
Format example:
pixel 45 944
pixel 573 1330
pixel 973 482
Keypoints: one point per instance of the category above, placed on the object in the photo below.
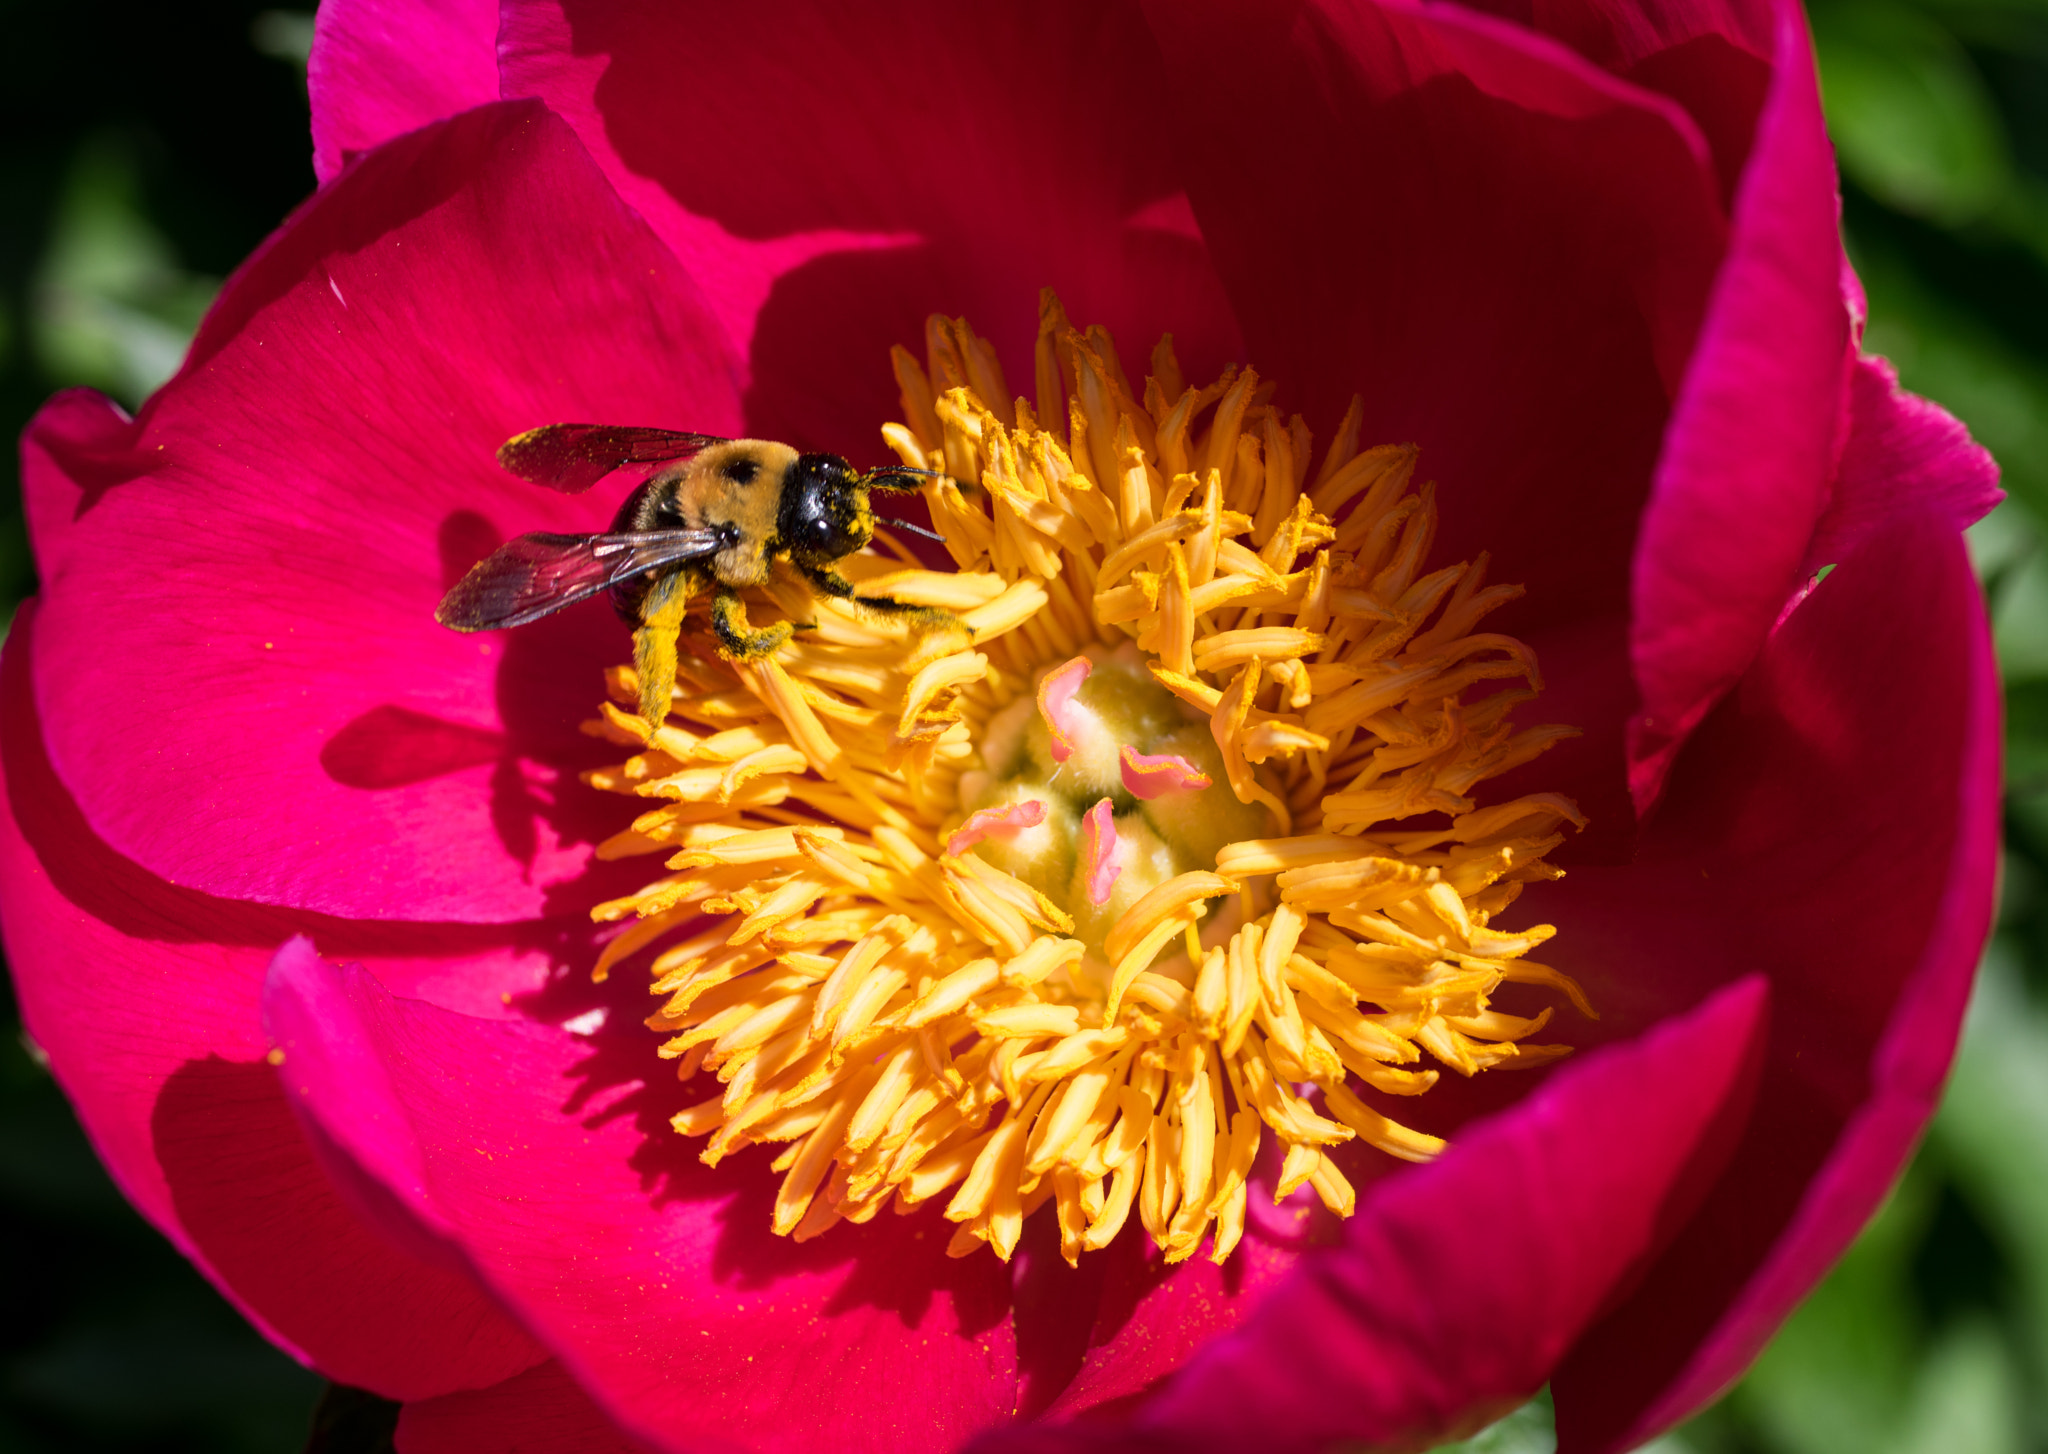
pixel 145 149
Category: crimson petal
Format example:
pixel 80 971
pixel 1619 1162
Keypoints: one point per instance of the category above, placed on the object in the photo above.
pixel 1835 823
pixel 548 1158
pixel 1904 456
pixel 379 69
pixel 1744 474
pixel 145 998
pixel 239 667
pixel 1712 57
pixel 925 157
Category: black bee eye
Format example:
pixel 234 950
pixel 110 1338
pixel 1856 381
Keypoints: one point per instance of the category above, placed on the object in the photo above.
pixel 742 471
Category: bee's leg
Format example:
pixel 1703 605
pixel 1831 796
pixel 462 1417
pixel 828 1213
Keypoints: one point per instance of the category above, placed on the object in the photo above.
pixel 654 643
pixel 932 618
pixel 742 642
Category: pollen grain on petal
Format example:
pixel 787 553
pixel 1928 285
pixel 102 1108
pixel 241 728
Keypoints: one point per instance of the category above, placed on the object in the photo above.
pixel 1179 848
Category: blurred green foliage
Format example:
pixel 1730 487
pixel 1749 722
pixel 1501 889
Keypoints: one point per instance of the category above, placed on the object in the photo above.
pixel 1943 136
pixel 144 150
pixel 109 306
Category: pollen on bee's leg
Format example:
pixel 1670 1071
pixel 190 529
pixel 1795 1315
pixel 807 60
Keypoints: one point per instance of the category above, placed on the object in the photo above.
pixel 654 645
pixel 1178 848
pixel 737 638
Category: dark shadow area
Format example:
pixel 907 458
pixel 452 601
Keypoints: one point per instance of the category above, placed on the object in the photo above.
pixel 349 1421
pixel 1960 1268
pixel 391 747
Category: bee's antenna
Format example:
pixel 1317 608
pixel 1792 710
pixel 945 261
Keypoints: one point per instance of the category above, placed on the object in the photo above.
pixel 899 472
pixel 916 530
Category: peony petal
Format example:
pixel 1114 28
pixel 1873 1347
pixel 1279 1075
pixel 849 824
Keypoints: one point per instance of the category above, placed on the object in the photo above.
pixel 1056 704
pixel 243 680
pixel 998 823
pixel 927 158
pixel 1906 457
pixel 1846 799
pixel 1457 1285
pixel 1152 1318
pixel 549 1158
pixel 145 999
pixel 541 1411
pixel 90 432
pixel 1504 249
pixel 1151 775
pixel 379 70
pixel 1558 235
pixel 1744 475
pixel 1710 56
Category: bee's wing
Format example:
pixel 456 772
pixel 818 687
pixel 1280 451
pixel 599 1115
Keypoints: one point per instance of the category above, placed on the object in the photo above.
pixel 526 579
pixel 573 457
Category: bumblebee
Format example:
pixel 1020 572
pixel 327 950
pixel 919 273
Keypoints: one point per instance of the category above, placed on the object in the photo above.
pixel 719 517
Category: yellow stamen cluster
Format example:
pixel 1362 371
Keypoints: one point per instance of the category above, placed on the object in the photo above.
pixel 912 1025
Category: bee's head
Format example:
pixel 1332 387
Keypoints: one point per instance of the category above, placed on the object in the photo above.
pixel 824 513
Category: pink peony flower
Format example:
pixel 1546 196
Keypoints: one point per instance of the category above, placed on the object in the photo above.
pixel 296 883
